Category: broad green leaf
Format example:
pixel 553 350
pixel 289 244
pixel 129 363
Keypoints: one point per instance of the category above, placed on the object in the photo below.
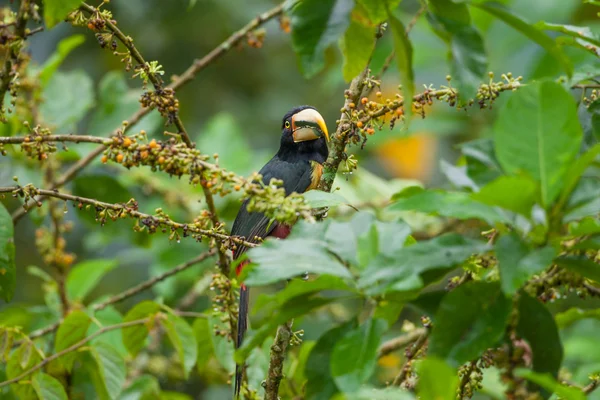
pixel 575 171
pixel 145 387
pixel 537 132
pixel 223 347
pixel 84 277
pixel 354 356
pixel 111 369
pixel 582 265
pixel 518 263
pixel 404 62
pixel 551 385
pixel 291 310
pixel 267 304
pixel 514 193
pixel 116 103
pixel 537 326
pixel 64 48
pixel 587 226
pixel 67 98
pixel 536 35
pixel 583 33
pixel 356 45
pixel 316 24
pixel 134 337
pixel 383 238
pixel 183 340
pixel 300 256
pixel 168 395
pixel 376 10
pixel 8 273
pixel 572 315
pixel 389 393
pixel 21 360
pixel 318 198
pixel 467 51
pixel 258 365
pixel 48 387
pixel 56 11
pixel 400 271
pixel 458 176
pixel 449 204
pixel 437 380
pixel 203 332
pixel 469 320
pixel 320 384
pixel 72 330
pixel 584 200
pixel 105 317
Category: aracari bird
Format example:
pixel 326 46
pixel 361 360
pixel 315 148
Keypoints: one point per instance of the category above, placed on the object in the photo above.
pixel 299 164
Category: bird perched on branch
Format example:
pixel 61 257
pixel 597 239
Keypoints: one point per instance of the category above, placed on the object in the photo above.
pixel 299 164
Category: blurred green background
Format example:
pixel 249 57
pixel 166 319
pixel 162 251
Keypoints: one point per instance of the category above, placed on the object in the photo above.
pixel 234 108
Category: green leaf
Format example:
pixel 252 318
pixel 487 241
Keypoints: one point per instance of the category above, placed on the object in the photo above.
pixel 366 393
pixel 8 272
pixel 21 360
pixel 354 356
pixel 537 326
pixel 134 337
pixel 300 306
pixel 575 172
pixel 266 305
pixel 377 10
pixel 299 255
pixel 318 199
pixel 551 385
pixel 449 204
pixel 320 384
pixel 183 340
pixel 470 319
pixel 56 11
pixel 587 226
pixel 357 45
pixel 84 277
pixel 64 48
pixel 582 33
pixel 404 61
pixel 584 200
pixel 145 387
pixel 537 132
pixel 67 98
pixel 572 315
pixel 48 387
pixel 582 265
pixel 316 24
pixel 536 35
pixel 458 176
pixel 203 332
pixel 437 380
pixel 111 369
pixel 467 51
pixel 105 317
pixel 518 263
pixel 383 238
pixel 72 330
pixel 223 347
pixel 400 271
pixel 514 193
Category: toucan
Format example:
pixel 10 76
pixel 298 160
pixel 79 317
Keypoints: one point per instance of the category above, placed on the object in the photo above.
pixel 299 164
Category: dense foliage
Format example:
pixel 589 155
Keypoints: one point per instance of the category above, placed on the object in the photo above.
pixel 484 286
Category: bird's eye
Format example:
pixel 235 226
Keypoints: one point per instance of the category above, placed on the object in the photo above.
pixel 287 124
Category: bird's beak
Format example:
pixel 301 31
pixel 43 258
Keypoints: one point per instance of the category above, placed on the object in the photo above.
pixel 308 124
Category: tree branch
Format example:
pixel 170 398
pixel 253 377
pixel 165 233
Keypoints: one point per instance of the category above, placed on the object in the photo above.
pixel 275 374
pixel 411 353
pixel 402 341
pixel 74 347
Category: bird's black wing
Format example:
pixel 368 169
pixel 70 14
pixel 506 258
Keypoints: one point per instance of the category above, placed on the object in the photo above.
pixel 296 177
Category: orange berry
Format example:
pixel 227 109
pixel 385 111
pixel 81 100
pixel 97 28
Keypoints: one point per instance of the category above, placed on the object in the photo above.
pixel 104 159
pixel 161 160
pixel 120 158
pixel 370 131
pixel 359 124
pixel 364 100
pixel 378 94
pixel 351 105
pixel 126 142
pixel 91 26
pixel 237 187
pixel 144 155
pixel 26 140
pixel 399 111
pixel 153 144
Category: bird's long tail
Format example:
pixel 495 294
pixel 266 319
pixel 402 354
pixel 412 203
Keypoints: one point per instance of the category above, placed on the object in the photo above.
pixel 242 326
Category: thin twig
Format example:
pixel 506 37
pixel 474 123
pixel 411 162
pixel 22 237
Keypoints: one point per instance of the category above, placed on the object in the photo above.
pixel 131 212
pixel 590 387
pixel 275 374
pixel 411 353
pixel 397 343
pixel 592 289
pixel 74 347
pixel 54 138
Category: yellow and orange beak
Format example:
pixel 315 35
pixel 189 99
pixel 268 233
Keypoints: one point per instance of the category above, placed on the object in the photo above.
pixel 308 124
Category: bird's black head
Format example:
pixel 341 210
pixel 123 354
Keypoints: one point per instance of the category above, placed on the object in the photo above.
pixel 304 135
